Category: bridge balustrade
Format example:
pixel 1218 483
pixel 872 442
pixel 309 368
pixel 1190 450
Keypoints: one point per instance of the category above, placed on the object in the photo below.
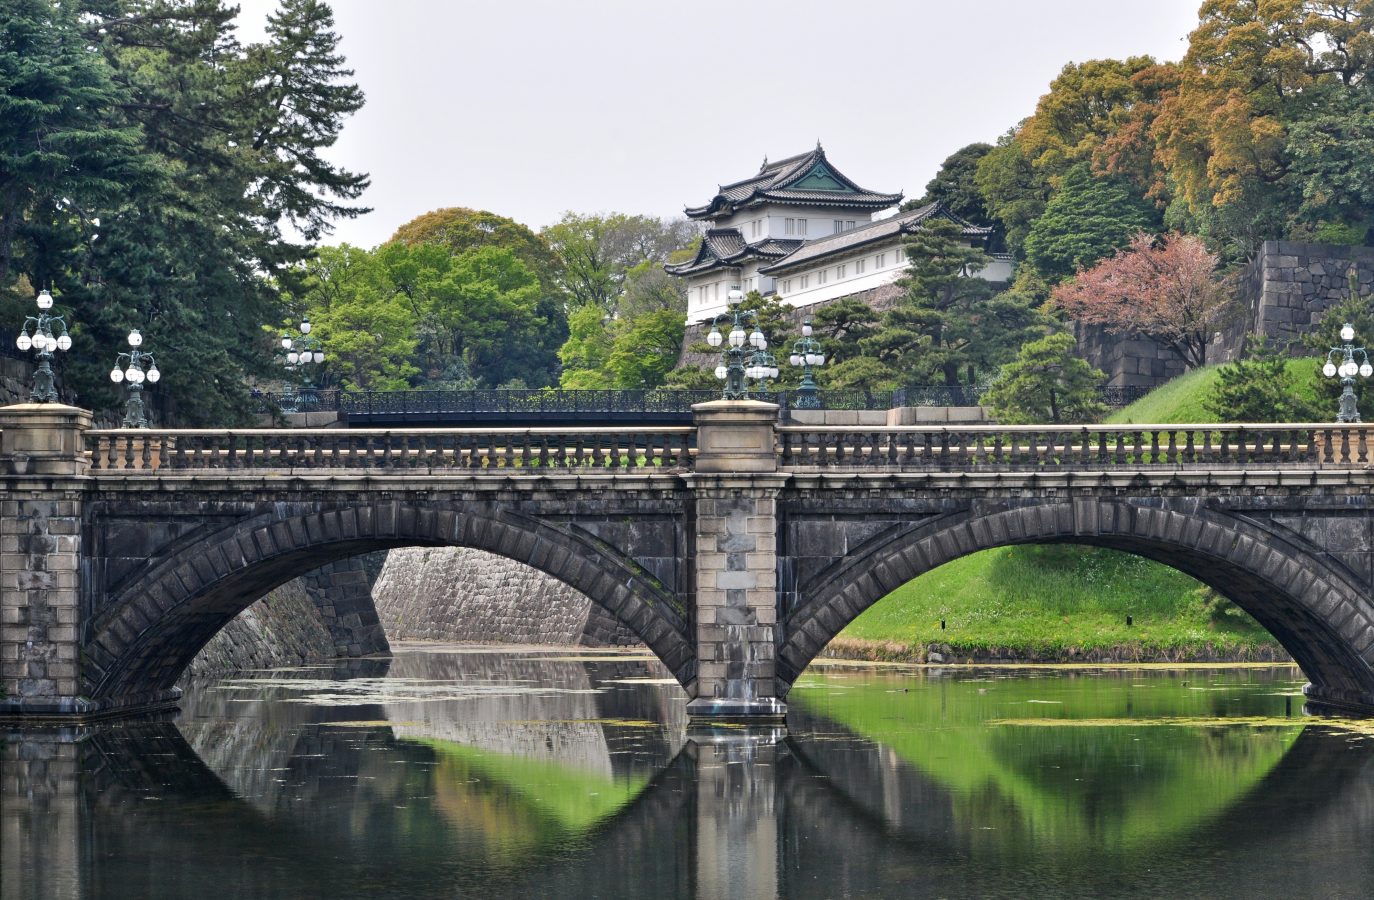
pixel 1035 447
pixel 535 450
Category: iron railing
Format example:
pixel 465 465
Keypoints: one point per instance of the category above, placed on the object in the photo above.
pixel 1073 448
pixel 649 407
pixel 531 451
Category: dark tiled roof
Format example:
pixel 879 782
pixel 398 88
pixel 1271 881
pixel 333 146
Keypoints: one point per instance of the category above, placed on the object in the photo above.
pixel 726 247
pixel 881 230
pixel 775 182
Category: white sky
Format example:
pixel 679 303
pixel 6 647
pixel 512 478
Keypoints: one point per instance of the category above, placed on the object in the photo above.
pixel 528 108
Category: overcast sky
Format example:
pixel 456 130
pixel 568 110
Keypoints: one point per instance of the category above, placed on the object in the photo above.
pixel 529 108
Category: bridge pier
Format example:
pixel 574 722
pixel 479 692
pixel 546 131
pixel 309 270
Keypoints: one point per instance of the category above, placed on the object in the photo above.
pixel 43 470
pixel 735 490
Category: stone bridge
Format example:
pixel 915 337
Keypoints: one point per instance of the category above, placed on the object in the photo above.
pixel 735 548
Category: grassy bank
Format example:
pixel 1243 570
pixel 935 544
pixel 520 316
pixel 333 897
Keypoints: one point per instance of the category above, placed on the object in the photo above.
pixel 1054 602
pixel 1183 400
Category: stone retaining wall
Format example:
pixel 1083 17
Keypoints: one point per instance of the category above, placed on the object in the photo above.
pixel 282 629
pixel 458 594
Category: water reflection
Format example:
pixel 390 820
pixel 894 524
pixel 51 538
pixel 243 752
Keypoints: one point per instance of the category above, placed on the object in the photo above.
pixel 525 774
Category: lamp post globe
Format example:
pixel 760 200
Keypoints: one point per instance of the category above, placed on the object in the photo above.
pixel 1347 370
pixel 45 334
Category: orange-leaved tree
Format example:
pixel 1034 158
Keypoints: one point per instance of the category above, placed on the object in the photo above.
pixel 1165 287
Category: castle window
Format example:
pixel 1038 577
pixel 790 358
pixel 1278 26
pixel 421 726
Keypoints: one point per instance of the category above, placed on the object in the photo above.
pixel 820 276
pixel 806 282
pixel 882 260
pixel 801 226
pixel 787 286
pixel 840 272
pixel 849 226
pixel 859 266
pixel 839 225
pixel 789 226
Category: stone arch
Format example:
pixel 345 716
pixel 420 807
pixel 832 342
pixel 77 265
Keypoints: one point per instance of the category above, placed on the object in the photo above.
pixel 1317 612
pixel 156 621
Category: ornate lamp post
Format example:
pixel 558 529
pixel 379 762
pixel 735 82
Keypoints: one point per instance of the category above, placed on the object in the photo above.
pixel 42 340
pixel 140 366
pixel 807 353
pixel 744 355
pixel 300 352
pixel 1347 371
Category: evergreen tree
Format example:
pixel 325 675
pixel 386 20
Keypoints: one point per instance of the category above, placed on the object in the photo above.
pixel 954 185
pixel 1257 388
pixel 1047 384
pixel 1086 219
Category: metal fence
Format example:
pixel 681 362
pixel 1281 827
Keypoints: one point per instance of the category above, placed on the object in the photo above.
pixel 660 406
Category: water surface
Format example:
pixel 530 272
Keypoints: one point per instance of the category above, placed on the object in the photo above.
pixel 452 772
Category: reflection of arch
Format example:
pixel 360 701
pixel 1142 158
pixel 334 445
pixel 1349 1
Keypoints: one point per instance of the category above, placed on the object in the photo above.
pixel 156 622
pixel 1316 612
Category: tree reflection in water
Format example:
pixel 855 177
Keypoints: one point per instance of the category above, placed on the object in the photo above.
pixel 541 776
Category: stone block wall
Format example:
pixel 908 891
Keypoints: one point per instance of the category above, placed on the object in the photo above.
pixel 459 594
pixel 324 614
pixel 1289 286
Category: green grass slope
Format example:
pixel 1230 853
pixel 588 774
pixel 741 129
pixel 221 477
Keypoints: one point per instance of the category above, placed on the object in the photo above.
pixel 1070 602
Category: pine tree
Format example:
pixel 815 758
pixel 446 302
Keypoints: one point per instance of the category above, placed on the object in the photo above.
pixel 1047 384
pixel 1086 219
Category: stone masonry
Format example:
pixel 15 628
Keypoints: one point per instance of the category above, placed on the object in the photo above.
pixel 459 594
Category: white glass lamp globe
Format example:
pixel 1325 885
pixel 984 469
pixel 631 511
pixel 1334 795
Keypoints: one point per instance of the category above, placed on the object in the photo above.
pixel 795 359
pixel 734 296
pixel 44 300
pixel 714 338
pixel 64 343
pixel 806 328
pixel 1347 332
pixel 1349 370
pixel 134 375
pixel 305 326
pixel 1366 370
pixel 772 371
pixel 756 339
pixel 153 375
pixel 737 337
pixel 293 357
pixel 286 342
pixel 116 374
pixel 319 356
pixel 135 339
pixel 52 343
pixel 720 372
pixel 23 342
pixel 1329 370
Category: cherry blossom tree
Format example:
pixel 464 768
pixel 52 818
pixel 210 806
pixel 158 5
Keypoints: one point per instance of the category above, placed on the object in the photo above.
pixel 1164 287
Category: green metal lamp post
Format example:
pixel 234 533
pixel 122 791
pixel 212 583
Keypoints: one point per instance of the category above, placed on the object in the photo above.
pixel 743 355
pixel 1347 370
pixel 300 352
pixel 44 381
pixel 808 354
pixel 139 367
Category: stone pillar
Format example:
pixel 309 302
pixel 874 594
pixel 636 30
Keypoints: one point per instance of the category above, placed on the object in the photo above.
pixel 735 488
pixel 43 474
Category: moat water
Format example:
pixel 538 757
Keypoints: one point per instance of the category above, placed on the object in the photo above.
pixel 455 772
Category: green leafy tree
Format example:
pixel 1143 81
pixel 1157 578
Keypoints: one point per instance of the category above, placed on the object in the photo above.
pixel 1013 191
pixel 598 252
pixel 588 347
pixel 1086 219
pixel 1047 384
pixel 459 229
pixel 647 350
pixel 1257 387
pixel 954 185
pixel 363 321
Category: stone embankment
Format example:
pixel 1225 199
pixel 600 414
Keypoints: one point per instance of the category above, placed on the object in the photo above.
pixel 325 614
pixel 457 594
pixel 896 651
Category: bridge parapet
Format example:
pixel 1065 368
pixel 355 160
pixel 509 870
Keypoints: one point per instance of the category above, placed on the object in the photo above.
pixel 533 451
pixel 1074 448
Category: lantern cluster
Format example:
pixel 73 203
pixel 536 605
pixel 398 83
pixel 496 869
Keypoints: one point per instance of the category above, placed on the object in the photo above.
pixel 136 373
pixel 305 351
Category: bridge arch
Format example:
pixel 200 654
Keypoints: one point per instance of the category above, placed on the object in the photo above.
pixel 152 625
pixel 1316 611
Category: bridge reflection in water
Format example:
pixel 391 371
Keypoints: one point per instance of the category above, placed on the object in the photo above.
pixel 527 775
